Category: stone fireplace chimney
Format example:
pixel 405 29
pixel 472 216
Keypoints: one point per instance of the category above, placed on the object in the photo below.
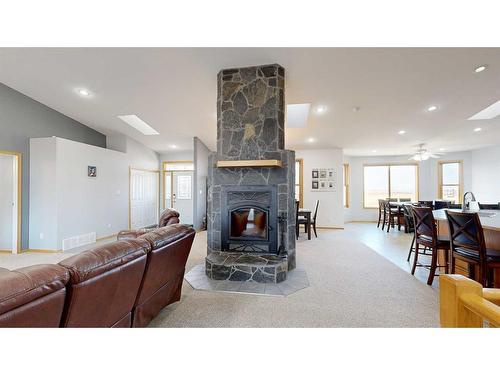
pixel 251 179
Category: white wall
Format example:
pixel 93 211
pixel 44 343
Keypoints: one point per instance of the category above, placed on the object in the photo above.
pixel 428 180
pixel 330 212
pixel 66 202
pixel 201 152
pixel 486 174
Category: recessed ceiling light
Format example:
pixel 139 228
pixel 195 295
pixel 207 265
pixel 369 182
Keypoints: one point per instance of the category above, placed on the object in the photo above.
pixel 173 146
pixel 310 140
pixel 320 109
pixel 374 151
pixel 480 68
pixel 138 124
pixel 296 115
pixel 432 108
pixel 442 149
pixel 488 113
pixel 401 132
pixel 84 92
pixel 477 129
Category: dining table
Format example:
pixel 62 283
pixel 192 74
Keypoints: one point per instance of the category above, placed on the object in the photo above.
pixel 490 221
pixel 307 215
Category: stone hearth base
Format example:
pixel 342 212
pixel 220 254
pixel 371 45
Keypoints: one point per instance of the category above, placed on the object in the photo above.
pixel 261 268
pixel 296 280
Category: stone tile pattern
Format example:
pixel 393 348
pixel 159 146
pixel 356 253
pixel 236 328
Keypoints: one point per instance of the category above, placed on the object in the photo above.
pixel 250 126
pixel 261 268
pixel 296 280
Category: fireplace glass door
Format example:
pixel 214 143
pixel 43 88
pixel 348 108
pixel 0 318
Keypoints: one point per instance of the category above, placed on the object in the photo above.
pixel 249 223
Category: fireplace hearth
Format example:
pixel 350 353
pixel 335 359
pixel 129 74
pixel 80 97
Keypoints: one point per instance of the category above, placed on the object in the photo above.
pixel 251 179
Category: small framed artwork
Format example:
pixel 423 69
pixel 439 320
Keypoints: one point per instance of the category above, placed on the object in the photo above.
pixel 92 171
pixel 315 173
pixel 315 185
pixel 330 173
pixel 322 173
pixel 322 184
pixel 330 184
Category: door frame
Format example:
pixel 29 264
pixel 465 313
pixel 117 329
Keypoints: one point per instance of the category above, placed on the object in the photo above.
pixel 19 162
pixel 171 172
pixel 130 169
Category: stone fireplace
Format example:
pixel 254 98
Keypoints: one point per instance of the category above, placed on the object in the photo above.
pixel 251 179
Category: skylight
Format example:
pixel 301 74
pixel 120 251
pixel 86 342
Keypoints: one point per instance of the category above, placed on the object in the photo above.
pixel 138 124
pixel 297 114
pixel 488 113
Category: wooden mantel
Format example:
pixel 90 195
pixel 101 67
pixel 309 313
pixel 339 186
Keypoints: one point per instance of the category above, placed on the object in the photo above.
pixel 249 163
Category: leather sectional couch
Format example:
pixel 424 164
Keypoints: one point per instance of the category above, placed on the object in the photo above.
pixel 121 284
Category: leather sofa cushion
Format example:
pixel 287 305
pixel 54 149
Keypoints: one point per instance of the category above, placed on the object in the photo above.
pixel 24 285
pixel 163 236
pixel 104 258
pixel 132 233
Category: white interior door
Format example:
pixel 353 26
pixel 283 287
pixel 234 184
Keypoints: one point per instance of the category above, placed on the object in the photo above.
pixel 144 198
pixel 9 202
pixel 182 195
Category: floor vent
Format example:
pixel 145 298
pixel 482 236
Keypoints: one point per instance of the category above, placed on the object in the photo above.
pixel 77 241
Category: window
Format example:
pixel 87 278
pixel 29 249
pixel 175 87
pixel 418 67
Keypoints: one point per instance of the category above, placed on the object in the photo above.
pixel 450 181
pixel 346 184
pixel 389 181
pixel 299 181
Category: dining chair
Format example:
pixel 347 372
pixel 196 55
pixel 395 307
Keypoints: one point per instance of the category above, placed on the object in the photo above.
pixel 438 205
pixel 426 235
pixel 426 204
pixel 297 207
pixel 468 245
pixel 391 214
pixel 381 213
pixel 487 206
pixel 313 222
pixel 409 225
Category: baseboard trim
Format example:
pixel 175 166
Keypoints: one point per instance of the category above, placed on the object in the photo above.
pixel 330 228
pixel 41 251
pixel 361 221
pixel 106 237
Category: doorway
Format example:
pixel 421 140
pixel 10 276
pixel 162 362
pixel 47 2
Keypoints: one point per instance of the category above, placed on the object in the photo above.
pixel 178 188
pixel 144 198
pixel 10 202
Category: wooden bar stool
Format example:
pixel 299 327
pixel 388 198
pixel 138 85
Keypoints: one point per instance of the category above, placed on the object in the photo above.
pixel 426 236
pixel 468 245
pixel 381 213
pixel 392 214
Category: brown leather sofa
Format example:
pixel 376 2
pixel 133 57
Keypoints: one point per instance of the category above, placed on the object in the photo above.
pixel 162 281
pixel 167 217
pixel 32 296
pixel 121 284
pixel 104 283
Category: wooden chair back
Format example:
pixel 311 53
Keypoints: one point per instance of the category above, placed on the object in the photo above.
pixel 315 211
pixel 438 205
pixel 466 232
pixel 425 225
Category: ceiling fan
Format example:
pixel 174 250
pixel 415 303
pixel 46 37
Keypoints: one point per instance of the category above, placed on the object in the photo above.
pixel 422 154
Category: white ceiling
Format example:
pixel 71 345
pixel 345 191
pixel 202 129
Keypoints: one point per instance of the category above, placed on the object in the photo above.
pixel 174 91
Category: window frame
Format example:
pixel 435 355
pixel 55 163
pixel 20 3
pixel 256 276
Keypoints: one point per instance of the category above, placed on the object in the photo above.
pixel 389 165
pixel 301 181
pixel 346 184
pixel 460 178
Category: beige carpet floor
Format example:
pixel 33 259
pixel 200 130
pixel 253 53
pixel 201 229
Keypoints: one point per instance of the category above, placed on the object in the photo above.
pixel 351 285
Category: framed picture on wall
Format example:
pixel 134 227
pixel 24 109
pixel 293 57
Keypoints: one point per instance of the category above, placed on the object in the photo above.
pixel 315 173
pixel 92 171
pixel 314 185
